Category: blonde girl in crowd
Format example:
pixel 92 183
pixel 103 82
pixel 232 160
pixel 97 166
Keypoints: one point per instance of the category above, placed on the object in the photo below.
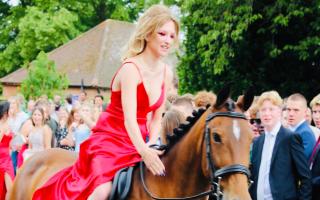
pixel 40 134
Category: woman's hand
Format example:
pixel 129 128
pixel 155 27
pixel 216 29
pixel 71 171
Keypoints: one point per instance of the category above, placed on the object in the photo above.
pixel 151 158
pixel 74 126
pixel 63 123
pixel 64 142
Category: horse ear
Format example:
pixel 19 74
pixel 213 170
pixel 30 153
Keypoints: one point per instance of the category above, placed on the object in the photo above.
pixel 222 96
pixel 245 101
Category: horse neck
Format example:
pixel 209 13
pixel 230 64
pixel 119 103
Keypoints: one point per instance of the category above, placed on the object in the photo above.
pixel 183 161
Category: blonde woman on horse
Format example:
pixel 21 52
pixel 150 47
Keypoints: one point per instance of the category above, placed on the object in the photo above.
pixel 119 138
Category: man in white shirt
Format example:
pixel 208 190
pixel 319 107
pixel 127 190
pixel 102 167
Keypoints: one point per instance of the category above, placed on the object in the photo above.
pixel 279 167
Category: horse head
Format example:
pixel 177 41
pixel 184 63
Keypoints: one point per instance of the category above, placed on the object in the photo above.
pixel 210 150
pixel 227 140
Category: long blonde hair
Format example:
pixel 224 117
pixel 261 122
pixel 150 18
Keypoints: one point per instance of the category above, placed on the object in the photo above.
pixel 155 17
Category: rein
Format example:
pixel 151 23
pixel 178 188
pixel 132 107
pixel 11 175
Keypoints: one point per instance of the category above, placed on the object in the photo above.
pixel 216 175
pixel 203 194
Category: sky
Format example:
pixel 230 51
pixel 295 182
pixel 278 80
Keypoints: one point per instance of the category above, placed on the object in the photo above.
pixel 13 2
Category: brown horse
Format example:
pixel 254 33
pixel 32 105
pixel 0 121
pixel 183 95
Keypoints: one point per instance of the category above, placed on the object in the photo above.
pixel 212 151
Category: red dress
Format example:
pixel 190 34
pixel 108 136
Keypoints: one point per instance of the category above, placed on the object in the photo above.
pixel 107 150
pixel 6 165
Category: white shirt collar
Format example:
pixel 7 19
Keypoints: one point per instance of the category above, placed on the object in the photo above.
pixel 275 129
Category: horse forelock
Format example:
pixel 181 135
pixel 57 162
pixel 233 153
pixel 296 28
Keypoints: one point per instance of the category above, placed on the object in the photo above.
pixel 235 124
pixel 230 105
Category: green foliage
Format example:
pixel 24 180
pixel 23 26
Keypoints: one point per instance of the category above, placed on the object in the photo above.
pixel 283 47
pixel 4 9
pixel 43 79
pixel 31 31
pixel 268 44
pixel 9 54
pixel 45 31
pixel 212 36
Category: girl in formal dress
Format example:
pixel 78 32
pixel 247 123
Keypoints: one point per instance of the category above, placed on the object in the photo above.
pixel 119 138
pixel 6 165
pixel 40 134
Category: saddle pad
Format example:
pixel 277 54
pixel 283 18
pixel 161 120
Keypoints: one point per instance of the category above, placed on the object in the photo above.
pixel 121 184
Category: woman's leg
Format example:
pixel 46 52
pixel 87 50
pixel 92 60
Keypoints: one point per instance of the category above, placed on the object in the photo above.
pixel 8 183
pixel 102 192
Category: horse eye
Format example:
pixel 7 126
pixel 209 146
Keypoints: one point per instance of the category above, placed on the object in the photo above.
pixel 217 138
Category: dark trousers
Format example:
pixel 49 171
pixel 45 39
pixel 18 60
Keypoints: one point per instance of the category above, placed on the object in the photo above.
pixel 14 158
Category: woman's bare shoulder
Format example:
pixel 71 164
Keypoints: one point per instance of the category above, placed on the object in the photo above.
pixel 27 125
pixel 130 69
pixel 47 129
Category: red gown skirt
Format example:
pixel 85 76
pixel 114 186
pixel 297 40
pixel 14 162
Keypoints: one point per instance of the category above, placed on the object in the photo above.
pixel 106 151
pixel 6 165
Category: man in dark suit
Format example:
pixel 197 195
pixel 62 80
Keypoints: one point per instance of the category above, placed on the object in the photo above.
pixel 279 167
pixel 315 171
pixel 296 114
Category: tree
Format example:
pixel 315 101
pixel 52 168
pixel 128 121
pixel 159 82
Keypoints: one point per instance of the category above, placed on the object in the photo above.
pixel 212 38
pixel 8 33
pixel 93 12
pixel 269 44
pixel 284 47
pixel 35 31
pixel 4 9
pixel 39 31
pixel 43 79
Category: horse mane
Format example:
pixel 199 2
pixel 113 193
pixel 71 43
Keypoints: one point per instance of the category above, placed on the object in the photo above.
pixel 184 128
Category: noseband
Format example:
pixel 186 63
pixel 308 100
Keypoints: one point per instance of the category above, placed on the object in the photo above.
pixel 216 175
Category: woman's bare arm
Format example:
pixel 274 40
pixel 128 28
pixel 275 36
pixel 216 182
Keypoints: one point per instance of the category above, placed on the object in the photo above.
pixel 88 120
pixel 155 124
pixel 47 137
pixel 26 128
pixel 128 80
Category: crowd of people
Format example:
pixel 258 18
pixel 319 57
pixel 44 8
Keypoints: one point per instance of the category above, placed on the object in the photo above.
pixel 43 124
pixel 30 127
pixel 285 161
pixel 144 108
pixel 285 157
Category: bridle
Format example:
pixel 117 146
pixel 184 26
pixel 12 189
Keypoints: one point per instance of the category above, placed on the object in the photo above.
pixel 216 175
